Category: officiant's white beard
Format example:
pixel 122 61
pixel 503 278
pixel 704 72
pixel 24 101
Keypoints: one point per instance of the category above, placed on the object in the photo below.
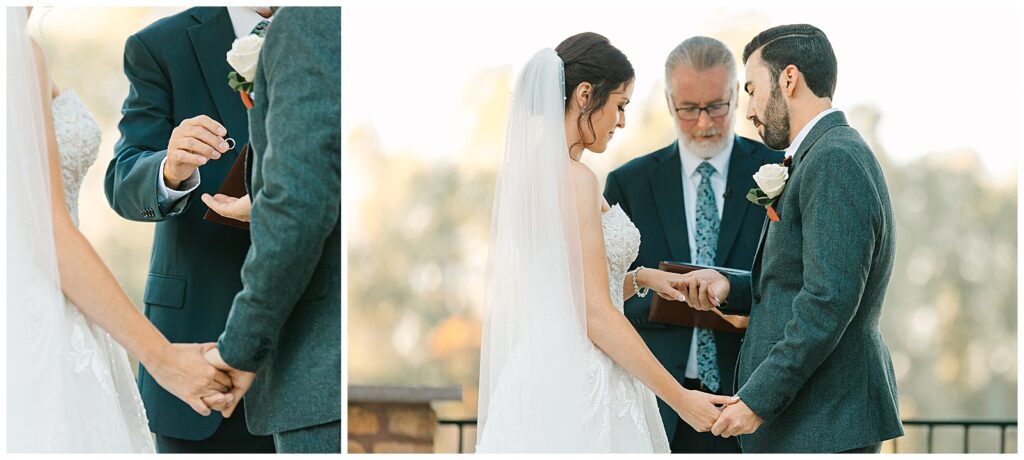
pixel 706 150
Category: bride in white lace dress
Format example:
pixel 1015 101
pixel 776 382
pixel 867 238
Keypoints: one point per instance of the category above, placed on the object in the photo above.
pixel 562 370
pixel 70 385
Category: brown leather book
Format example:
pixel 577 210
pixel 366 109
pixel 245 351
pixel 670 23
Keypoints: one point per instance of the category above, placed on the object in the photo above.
pixel 233 186
pixel 680 314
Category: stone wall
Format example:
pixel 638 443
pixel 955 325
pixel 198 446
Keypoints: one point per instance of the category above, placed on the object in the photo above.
pixel 390 419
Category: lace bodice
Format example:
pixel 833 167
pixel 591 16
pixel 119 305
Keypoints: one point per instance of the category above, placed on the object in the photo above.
pixel 621 245
pixel 78 140
pixel 109 409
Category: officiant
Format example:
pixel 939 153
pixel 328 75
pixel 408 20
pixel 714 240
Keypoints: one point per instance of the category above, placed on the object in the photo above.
pixel 688 200
pixel 178 123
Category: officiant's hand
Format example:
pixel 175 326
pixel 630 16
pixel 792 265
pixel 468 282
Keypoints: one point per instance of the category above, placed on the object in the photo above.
pixel 704 289
pixel 231 207
pixel 193 143
pixel 736 419
pixel 700 410
pixel 182 370
pixel 241 380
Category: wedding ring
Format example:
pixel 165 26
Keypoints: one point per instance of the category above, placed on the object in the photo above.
pixel 231 143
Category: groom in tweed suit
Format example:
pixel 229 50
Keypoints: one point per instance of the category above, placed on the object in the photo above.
pixel 284 329
pixel 814 373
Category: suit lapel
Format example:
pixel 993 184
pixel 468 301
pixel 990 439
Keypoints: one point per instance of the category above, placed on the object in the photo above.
pixel 211 40
pixel 667 183
pixel 826 123
pixel 741 179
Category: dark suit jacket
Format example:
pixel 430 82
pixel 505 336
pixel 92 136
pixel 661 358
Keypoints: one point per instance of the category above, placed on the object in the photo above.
pixel 650 191
pixel 285 325
pixel 177 70
pixel 814 365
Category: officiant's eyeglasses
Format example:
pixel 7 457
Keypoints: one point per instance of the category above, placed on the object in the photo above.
pixel 716 110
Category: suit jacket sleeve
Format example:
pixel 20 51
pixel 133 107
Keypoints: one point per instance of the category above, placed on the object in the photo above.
pixel 739 300
pixel 132 179
pixel 299 203
pixel 841 215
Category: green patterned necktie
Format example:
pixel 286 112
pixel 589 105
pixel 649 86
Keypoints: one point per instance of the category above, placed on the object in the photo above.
pixel 706 237
pixel 261 28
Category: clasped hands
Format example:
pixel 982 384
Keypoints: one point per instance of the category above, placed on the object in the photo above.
pixel 196 374
pixel 723 416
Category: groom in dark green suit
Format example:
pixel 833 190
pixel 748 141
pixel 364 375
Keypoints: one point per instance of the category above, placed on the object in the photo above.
pixel 284 329
pixel 170 151
pixel 814 374
pixel 675 197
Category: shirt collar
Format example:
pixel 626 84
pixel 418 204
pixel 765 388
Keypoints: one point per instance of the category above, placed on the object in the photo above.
pixel 691 161
pixel 244 19
pixel 803 132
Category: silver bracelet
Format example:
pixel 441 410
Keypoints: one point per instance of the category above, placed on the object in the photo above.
pixel 640 292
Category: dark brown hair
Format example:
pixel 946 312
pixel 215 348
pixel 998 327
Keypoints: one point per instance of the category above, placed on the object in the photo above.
pixel 802 45
pixel 591 58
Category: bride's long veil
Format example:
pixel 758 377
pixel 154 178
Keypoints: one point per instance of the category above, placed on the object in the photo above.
pixel 35 402
pixel 535 372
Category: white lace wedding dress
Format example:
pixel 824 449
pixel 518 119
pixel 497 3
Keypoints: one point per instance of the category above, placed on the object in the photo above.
pixel 626 409
pixel 107 413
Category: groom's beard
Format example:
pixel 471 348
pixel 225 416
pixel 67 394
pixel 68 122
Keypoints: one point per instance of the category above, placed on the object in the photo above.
pixel 776 121
pixel 705 150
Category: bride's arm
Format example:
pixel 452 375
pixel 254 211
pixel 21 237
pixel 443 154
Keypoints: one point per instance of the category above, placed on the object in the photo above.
pixel 661 282
pixel 611 331
pixel 87 283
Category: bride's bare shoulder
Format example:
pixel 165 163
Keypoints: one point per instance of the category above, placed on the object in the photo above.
pixel 585 186
pixel 583 178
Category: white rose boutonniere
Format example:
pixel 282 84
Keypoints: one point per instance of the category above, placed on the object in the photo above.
pixel 771 181
pixel 243 57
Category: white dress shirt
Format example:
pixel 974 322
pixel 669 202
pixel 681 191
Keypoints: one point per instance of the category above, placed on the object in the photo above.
pixel 803 132
pixel 243 21
pixel 691 179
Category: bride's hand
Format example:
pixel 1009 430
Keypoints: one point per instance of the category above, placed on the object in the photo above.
pixel 701 410
pixel 183 371
pixel 661 282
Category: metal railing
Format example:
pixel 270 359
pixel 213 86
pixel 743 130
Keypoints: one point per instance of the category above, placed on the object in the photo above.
pixel 965 425
pixel 461 424
pixel 930 425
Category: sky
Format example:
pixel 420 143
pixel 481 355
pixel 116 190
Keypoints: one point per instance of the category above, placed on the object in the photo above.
pixel 943 77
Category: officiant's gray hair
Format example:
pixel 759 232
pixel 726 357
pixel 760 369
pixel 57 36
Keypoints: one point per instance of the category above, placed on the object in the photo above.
pixel 700 53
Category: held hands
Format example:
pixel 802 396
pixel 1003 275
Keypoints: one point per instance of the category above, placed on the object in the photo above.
pixel 193 143
pixel 234 208
pixel 723 416
pixel 704 289
pixel 662 282
pixel 182 370
pixel 242 380
pixel 736 419
pixel 700 410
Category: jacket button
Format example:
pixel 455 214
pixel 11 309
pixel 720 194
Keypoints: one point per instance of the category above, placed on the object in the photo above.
pixel 757 298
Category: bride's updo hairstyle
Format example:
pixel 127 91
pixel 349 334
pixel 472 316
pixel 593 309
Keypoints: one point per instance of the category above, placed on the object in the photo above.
pixel 591 58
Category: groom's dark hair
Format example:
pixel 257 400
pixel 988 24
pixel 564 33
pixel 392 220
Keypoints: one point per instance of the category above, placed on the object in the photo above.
pixel 591 58
pixel 802 45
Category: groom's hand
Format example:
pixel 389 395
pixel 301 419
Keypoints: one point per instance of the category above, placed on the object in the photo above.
pixel 240 380
pixel 704 289
pixel 193 143
pixel 735 420
pixel 231 207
